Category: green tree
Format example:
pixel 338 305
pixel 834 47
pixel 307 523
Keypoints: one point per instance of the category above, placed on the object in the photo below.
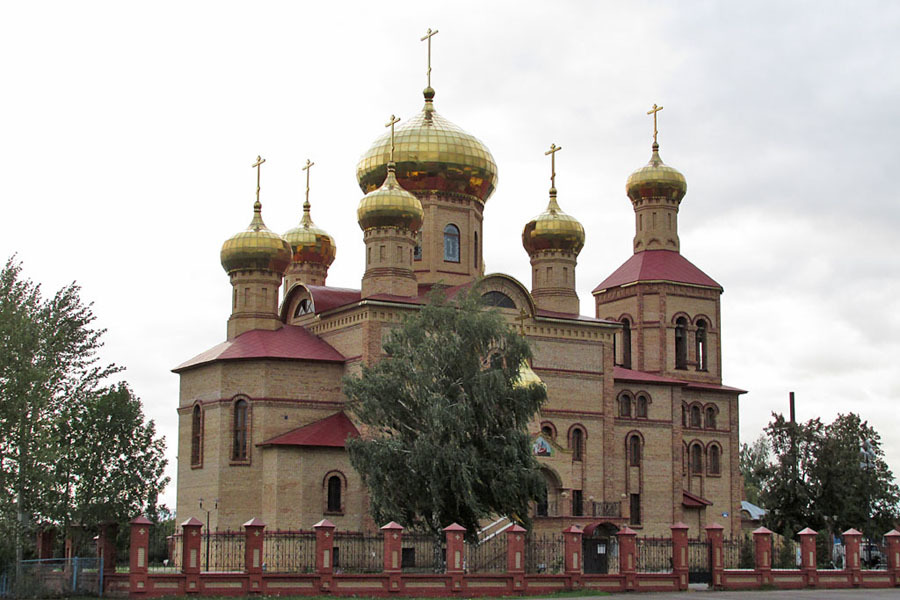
pixel 754 462
pixel 54 405
pixel 446 438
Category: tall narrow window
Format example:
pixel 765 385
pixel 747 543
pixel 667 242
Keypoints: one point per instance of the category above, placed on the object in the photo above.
pixel 710 417
pixel 577 444
pixel 239 432
pixel 641 409
pixel 577 503
pixel 695 416
pixel 334 494
pixel 625 405
pixel 475 250
pixel 451 243
pixel 626 343
pixel 634 451
pixel 635 509
pixel 681 343
pixel 417 253
pixel 696 459
pixel 547 431
pixel 713 460
pixel 196 436
pixel 701 345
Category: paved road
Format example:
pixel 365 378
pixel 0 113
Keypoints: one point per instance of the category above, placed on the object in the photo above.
pixel 886 594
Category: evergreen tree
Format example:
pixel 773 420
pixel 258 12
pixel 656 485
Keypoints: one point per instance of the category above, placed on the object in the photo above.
pixel 446 425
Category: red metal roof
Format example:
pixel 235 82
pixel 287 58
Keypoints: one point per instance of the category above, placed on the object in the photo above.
pixel 326 298
pixel 693 500
pixel 289 342
pixel 657 265
pixel 623 374
pixel 330 432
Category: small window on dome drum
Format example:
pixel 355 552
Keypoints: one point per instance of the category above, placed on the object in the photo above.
pixel 451 243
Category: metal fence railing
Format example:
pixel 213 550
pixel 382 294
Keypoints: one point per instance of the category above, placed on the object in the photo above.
pixel 358 552
pixel 52 578
pixel 487 556
pixel 289 551
pixel 423 553
pixel 654 555
pixel 544 553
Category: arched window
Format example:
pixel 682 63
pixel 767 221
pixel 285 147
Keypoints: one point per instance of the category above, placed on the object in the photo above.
pixel 696 459
pixel 701 345
pixel 475 250
pixel 634 451
pixel 641 406
pixel 625 405
pixel 334 494
pixel 548 431
pixel 681 343
pixel 303 307
pixel 498 299
pixel 713 460
pixel 451 243
pixel 577 444
pixel 239 431
pixel 626 343
pixel 684 412
pixel 196 436
pixel 710 417
pixel 696 416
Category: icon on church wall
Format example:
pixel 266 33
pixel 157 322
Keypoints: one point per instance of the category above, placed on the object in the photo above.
pixel 541 447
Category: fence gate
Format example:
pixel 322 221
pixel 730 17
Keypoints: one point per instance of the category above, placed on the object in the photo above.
pixel 699 563
pixel 596 555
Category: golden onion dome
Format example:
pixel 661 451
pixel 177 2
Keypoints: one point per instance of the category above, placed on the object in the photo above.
pixel 431 154
pixel 553 230
pixel 527 376
pixel 390 206
pixel 256 248
pixel 655 180
pixel 310 244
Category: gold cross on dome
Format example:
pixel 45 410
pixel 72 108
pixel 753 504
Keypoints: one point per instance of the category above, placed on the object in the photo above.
pixel 391 125
pixel 428 36
pixel 259 161
pixel 653 112
pixel 306 168
pixel 552 152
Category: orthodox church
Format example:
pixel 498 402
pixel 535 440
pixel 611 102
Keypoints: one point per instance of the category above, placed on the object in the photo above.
pixel 638 428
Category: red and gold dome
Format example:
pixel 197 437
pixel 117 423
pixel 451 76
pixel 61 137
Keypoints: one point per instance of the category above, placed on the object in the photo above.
pixel 656 180
pixel 256 248
pixel 553 230
pixel 309 243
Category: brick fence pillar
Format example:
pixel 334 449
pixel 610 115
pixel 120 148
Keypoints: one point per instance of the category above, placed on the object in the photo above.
pixel 714 537
pixel 137 555
pixel 393 547
pixel 892 538
pixel 627 555
pixel 46 536
pixel 762 542
pixel 680 554
pixel 808 556
pixel 107 545
pixel 324 553
pixel 852 538
pixel 191 541
pixel 515 556
pixel 572 536
pixel 254 535
pixel 456 554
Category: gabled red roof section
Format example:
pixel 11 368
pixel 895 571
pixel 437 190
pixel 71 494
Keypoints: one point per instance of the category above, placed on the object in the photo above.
pixel 693 500
pixel 657 265
pixel 326 298
pixel 289 342
pixel 330 432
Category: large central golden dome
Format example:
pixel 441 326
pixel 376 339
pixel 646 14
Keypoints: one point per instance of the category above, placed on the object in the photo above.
pixel 432 154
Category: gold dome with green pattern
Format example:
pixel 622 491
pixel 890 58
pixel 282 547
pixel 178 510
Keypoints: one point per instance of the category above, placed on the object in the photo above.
pixel 431 154
pixel 656 180
pixel 390 206
pixel 553 230
pixel 309 243
pixel 256 248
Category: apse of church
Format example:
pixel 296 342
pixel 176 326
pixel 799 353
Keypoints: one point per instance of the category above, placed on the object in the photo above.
pixel 638 429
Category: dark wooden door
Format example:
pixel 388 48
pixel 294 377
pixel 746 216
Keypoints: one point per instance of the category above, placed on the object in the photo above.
pixel 596 555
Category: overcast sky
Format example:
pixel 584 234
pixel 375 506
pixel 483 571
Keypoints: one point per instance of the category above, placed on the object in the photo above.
pixel 127 132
